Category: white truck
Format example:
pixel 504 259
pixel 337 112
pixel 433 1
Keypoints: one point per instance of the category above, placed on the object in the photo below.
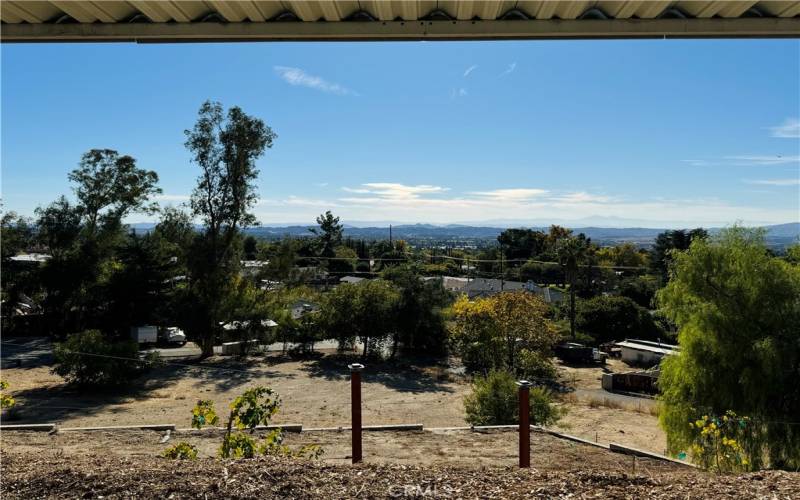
pixel 147 334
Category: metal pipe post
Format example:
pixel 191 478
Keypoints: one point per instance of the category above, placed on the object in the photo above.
pixel 524 424
pixel 355 409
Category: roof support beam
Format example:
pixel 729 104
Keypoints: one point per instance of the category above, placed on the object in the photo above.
pixel 407 30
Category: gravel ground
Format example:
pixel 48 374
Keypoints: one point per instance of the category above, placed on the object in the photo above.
pixel 49 475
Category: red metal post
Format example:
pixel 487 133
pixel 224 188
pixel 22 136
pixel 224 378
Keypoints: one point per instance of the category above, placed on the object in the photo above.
pixel 355 408
pixel 524 424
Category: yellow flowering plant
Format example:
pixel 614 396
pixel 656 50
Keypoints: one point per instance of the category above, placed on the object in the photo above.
pixel 718 443
pixel 6 401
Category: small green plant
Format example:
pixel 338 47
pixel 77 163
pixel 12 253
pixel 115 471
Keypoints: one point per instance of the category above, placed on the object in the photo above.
pixel 494 401
pixel 180 451
pixel 254 407
pixel 6 401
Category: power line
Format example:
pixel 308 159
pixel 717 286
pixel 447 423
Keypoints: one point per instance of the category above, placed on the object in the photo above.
pixel 463 259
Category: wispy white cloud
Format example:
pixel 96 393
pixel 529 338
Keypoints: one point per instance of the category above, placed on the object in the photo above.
pixel 698 163
pixel 470 70
pixel 396 191
pixel 509 70
pixel 775 182
pixel 764 159
pixel 581 197
pixel 298 77
pixel 517 194
pixel 789 129
pixel 745 161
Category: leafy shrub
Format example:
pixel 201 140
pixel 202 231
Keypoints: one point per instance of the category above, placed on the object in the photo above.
pixel 255 407
pixel 89 359
pixel 535 365
pixel 494 401
pixel 180 451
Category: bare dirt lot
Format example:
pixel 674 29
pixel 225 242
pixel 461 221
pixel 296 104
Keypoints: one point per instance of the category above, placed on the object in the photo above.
pixel 315 393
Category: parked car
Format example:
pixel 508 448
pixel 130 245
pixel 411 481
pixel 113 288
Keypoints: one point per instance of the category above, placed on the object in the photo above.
pixel 172 335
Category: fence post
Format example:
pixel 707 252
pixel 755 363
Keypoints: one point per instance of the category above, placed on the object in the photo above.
pixel 524 424
pixel 355 409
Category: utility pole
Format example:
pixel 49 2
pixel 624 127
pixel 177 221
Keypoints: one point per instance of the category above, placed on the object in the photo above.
pixel 502 270
pixel 390 235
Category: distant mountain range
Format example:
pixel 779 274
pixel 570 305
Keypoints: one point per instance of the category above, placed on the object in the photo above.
pixel 777 235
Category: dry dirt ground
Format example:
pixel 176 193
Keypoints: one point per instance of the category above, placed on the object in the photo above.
pixel 122 465
pixel 491 448
pixel 315 393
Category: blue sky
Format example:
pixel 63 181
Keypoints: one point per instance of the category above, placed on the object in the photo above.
pixel 660 132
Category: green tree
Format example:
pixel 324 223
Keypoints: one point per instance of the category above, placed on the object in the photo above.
pixel 175 233
pixel 499 332
pixel 84 238
pixel 109 186
pixel 607 319
pixel 225 146
pixel 17 235
pixel 640 289
pixel 250 247
pixel 522 243
pixel 329 234
pixel 420 322
pixel 345 260
pixel 59 225
pixel 366 311
pixel 669 242
pixel 282 257
pixel 738 313
pixel 793 254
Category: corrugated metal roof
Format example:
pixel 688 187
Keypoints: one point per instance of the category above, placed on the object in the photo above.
pixel 369 19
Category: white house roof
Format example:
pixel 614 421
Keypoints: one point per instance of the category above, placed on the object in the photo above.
pixel 30 257
pixel 227 20
pixel 645 346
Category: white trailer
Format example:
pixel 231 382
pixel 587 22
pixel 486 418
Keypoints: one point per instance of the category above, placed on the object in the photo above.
pixel 147 334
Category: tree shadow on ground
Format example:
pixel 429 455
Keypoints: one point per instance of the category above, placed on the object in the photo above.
pixel 64 401
pixel 411 374
pixel 229 373
pixel 55 403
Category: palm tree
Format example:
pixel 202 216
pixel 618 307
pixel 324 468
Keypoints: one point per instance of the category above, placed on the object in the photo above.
pixel 571 252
